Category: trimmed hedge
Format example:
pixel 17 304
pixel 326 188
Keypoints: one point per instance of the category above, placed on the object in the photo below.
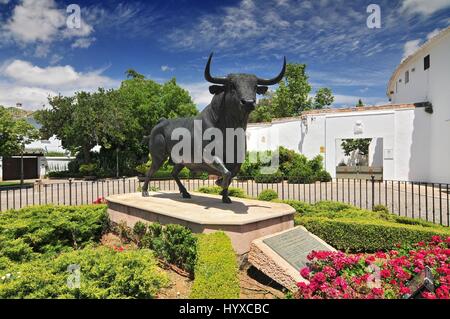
pixel 105 273
pixel 216 190
pixel 276 177
pixel 358 235
pixel 216 269
pixel 50 229
pixel 173 243
pixel 268 195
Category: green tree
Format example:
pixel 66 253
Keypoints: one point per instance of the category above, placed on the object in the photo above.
pixel 358 144
pixel 263 111
pixel 14 133
pixel 116 120
pixel 132 74
pixel 292 95
pixel 324 97
pixel 360 103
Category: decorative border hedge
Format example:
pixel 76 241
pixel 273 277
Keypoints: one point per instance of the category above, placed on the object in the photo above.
pixel 216 269
pixel 367 235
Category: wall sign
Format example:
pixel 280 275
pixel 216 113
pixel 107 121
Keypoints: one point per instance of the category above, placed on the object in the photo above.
pixel 358 128
pixel 389 154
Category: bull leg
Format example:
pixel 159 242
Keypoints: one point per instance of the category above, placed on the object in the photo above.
pixel 158 158
pixel 176 170
pixel 218 165
pixel 153 169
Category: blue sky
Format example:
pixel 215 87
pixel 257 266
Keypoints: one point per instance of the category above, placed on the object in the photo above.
pixel 39 55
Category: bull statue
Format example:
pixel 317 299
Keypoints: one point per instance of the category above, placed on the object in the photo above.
pixel 233 101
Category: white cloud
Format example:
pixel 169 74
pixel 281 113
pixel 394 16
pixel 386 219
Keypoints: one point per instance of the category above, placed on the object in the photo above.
pixel 433 33
pixel 35 20
pixel 410 47
pixel 41 21
pixel 83 43
pixel 199 92
pixel 31 85
pixel 166 68
pixel 30 97
pixel 424 7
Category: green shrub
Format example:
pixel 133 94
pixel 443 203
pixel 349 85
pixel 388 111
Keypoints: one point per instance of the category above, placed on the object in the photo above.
pixel 327 206
pixel 105 273
pixel 300 207
pixel 173 243
pixel 359 235
pixel 248 169
pixel 88 169
pixel 380 208
pixel 216 269
pixel 323 176
pixel 216 190
pixel 316 164
pixel 139 231
pixel 290 159
pixel 63 174
pixel 276 177
pixel 301 174
pixel 268 195
pixel 50 229
pixel 142 168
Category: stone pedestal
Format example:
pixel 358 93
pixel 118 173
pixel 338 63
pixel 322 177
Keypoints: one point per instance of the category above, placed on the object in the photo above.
pixel 243 220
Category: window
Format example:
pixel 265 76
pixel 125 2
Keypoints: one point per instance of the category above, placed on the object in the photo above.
pixel 406 77
pixel 426 62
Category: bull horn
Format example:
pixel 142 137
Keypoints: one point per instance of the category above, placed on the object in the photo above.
pixel 208 76
pixel 275 80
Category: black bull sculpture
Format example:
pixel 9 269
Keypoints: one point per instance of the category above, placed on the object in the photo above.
pixel 234 99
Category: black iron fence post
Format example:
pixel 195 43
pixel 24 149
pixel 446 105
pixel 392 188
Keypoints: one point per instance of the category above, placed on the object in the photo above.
pixel 70 192
pixel 372 178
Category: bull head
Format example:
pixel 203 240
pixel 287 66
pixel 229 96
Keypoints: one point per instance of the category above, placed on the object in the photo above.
pixel 242 87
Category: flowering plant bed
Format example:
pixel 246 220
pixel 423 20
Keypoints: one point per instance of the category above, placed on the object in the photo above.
pixel 382 275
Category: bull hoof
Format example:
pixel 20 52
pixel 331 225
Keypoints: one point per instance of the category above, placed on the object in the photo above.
pixel 226 200
pixel 186 195
pixel 145 194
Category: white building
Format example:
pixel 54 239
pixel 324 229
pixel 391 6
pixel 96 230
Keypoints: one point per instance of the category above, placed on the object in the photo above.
pixel 410 137
pixel 36 163
pixel 425 77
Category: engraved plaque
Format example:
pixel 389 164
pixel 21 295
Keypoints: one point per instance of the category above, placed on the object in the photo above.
pixel 294 246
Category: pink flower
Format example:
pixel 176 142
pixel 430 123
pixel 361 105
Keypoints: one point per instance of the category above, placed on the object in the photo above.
pixel 405 290
pixel 305 272
pixel 385 273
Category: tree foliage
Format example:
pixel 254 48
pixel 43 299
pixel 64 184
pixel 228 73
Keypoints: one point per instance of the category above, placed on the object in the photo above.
pixel 291 97
pixel 358 144
pixel 14 133
pixel 116 120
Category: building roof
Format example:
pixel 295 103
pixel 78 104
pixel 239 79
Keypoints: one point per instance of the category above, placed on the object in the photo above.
pixel 340 111
pixel 420 50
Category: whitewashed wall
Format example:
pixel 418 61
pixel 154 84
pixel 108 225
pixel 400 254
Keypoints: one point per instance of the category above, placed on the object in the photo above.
pixel 401 139
pixel 432 85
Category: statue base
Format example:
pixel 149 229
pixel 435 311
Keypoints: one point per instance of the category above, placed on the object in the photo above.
pixel 243 220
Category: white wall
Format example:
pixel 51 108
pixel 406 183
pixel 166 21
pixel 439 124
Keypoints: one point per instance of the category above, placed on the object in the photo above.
pixel 432 85
pixel 400 139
